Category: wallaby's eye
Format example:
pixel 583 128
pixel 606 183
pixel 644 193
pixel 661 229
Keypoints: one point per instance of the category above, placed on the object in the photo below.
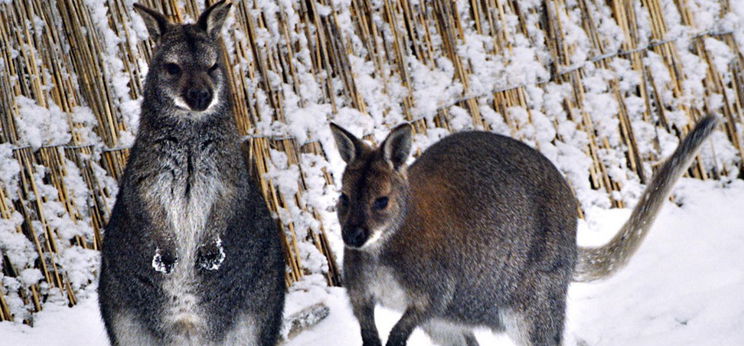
pixel 172 69
pixel 344 200
pixel 380 203
pixel 213 68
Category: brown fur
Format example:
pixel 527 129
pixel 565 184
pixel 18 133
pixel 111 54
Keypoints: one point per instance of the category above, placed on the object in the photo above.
pixel 479 231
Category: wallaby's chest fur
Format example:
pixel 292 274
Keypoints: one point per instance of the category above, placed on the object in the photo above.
pixel 384 286
pixel 185 186
pixel 185 182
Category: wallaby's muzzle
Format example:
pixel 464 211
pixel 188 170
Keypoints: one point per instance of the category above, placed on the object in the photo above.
pixel 198 97
pixel 354 236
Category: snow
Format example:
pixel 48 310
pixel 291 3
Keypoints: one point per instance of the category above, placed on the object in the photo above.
pixel 38 125
pixel 9 170
pixel 683 287
pixel 81 266
pixel 59 325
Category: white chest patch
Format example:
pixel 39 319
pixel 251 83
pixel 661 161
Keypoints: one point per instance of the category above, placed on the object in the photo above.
pixel 387 291
pixel 187 211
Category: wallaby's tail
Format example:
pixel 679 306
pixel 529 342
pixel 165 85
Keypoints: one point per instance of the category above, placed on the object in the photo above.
pixel 597 263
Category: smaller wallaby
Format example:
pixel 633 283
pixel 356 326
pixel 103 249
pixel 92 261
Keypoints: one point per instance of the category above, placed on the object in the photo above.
pixel 479 231
pixel 191 255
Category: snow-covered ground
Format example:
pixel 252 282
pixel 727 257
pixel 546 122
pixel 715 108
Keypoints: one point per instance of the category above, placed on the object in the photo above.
pixel 684 287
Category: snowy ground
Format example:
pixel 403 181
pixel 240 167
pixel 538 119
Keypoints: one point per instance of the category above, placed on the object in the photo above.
pixel 684 287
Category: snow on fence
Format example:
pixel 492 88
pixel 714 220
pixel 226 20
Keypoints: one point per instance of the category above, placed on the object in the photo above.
pixel 603 88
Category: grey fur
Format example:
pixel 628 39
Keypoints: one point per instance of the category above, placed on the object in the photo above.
pixel 597 263
pixel 479 231
pixel 155 22
pixel 191 255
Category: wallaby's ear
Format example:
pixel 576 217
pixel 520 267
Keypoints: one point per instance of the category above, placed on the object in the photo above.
pixel 155 22
pixel 348 145
pixel 212 18
pixel 397 146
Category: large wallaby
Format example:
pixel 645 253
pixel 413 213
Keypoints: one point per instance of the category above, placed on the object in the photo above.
pixel 191 255
pixel 478 231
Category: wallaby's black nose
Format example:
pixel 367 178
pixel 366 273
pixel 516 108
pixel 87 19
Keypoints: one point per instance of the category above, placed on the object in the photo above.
pixel 198 98
pixel 354 236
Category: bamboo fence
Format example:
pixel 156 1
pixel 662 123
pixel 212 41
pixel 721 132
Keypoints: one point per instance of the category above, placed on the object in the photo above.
pixel 546 72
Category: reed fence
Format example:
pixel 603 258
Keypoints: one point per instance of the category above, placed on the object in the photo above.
pixel 603 88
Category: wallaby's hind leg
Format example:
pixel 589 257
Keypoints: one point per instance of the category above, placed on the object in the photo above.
pixel 536 313
pixel 249 330
pixel 243 332
pixel 541 321
pixel 446 334
pixel 269 333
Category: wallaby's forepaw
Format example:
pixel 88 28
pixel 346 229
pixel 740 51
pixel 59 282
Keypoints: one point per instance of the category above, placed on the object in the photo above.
pixel 211 255
pixel 164 261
